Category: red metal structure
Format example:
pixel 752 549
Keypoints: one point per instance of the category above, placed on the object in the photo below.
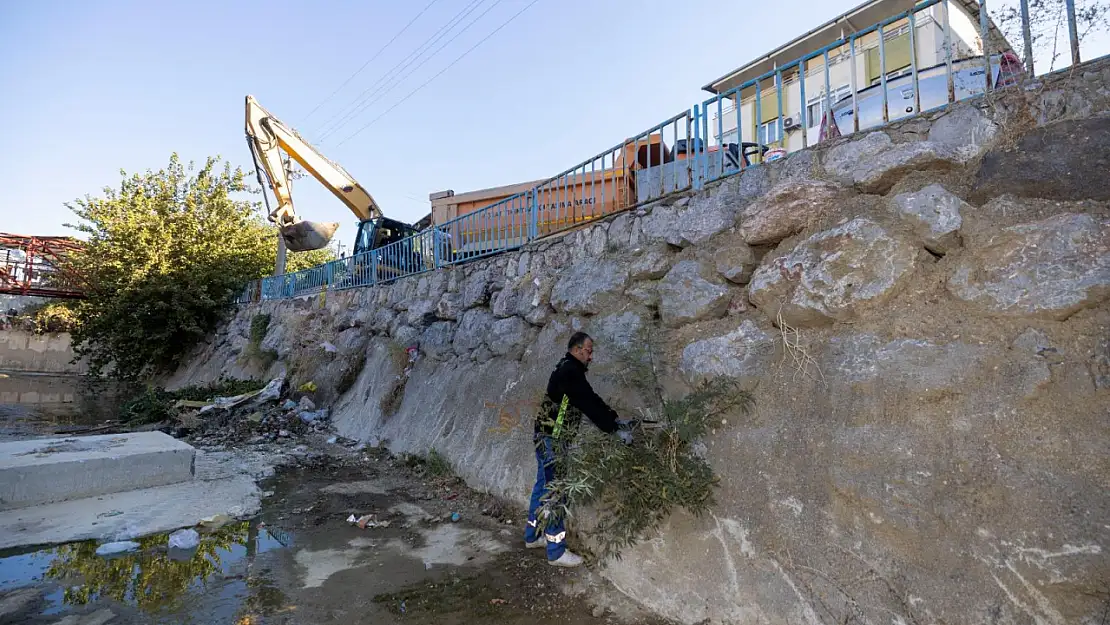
pixel 30 265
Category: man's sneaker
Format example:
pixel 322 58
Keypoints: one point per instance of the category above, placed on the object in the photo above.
pixel 539 543
pixel 568 559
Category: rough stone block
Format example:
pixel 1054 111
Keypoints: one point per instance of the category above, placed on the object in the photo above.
pixel 620 232
pixel 652 264
pixel 875 163
pixel 588 287
pixel 934 214
pixel 472 331
pixel 508 336
pixel 449 306
pixel 1047 269
pixel 436 340
pixel 965 130
pixel 787 209
pixel 475 289
pixel 833 275
pixel 686 295
pixel 50 470
pixel 742 354
pixel 735 261
pixel 620 331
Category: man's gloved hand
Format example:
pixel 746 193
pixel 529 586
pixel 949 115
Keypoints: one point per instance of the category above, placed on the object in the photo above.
pixel 625 436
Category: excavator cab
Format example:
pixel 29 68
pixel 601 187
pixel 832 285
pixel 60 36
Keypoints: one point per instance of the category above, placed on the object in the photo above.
pixel 385 249
pixel 376 233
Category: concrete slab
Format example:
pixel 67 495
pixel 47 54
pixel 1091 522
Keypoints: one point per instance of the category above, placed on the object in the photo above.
pixel 40 471
pixel 225 484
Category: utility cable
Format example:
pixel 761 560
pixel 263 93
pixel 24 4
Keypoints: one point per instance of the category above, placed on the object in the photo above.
pixel 376 54
pixel 356 106
pixel 386 89
pixel 344 114
pixel 449 66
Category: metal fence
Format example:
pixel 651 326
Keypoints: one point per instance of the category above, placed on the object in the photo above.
pixel 894 74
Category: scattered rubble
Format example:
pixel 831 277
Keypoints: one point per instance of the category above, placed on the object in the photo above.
pixel 252 418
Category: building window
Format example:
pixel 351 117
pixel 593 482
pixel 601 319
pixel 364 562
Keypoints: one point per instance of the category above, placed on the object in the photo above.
pixel 905 71
pixel 816 106
pixel 769 132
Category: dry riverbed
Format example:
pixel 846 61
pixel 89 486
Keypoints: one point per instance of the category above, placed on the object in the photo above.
pixel 433 551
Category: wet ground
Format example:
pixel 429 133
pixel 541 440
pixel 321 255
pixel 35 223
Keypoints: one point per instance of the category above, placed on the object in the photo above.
pixel 301 562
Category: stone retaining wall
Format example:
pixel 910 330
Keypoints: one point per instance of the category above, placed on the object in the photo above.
pixel 921 313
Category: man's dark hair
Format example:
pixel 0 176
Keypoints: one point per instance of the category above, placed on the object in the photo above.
pixel 578 339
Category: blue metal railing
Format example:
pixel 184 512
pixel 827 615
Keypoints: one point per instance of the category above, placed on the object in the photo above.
pixel 682 153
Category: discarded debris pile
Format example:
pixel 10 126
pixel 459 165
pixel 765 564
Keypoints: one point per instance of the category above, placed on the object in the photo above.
pixel 268 414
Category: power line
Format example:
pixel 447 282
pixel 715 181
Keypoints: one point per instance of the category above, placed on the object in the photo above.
pixel 356 106
pixel 371 59
pixel 344 114
pixel 386 89
pixel 449 66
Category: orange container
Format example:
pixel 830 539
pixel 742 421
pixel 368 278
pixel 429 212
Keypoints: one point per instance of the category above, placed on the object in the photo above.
pixel 587 193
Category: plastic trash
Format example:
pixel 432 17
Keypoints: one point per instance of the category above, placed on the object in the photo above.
pixel 455 517
pixel 307 387
pixel 288 404
pixel 306 403
pixel 123 546
pixel 367 521
pixel 272 391
pixel 215 521
pixel 333 440
pixel 312 417
pixel 328 347
pixel 184 539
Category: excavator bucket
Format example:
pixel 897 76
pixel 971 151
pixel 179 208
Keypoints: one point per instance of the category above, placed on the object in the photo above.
pixel 308 235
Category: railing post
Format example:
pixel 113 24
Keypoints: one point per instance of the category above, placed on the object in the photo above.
pixel 534 213
pixel 435 248
pixel 1027 37
pixel 699 175
pixel 984 34
pixel 1073 32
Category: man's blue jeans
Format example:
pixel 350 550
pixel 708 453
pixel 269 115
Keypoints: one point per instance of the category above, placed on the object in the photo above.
pixel 545 473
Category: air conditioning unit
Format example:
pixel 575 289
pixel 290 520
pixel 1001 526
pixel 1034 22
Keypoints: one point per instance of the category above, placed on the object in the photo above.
pixel 790 123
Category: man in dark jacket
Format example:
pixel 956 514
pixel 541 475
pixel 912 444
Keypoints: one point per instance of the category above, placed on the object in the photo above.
pixel 569 396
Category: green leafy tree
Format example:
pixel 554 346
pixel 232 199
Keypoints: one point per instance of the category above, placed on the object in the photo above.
pixel 165 255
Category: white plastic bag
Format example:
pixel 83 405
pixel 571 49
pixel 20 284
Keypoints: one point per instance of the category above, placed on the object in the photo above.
pixel 184 539
pixel 123 546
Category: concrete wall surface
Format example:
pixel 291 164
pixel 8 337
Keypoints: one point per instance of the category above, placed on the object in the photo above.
pixel 40 353
pixel 921 314
pixel 50 470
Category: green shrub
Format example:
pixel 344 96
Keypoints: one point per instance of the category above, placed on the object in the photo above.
pixel 438 466
pixel 634 488
pixel 152 404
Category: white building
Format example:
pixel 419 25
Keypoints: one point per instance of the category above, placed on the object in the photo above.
pixel 948 25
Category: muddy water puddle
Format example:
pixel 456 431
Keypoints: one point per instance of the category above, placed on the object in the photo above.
pixel 301 562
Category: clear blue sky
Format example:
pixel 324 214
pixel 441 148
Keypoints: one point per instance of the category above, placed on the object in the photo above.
pixel 93 86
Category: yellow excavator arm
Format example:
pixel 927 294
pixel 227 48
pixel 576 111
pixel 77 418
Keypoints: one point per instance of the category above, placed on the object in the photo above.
pixel 267 137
